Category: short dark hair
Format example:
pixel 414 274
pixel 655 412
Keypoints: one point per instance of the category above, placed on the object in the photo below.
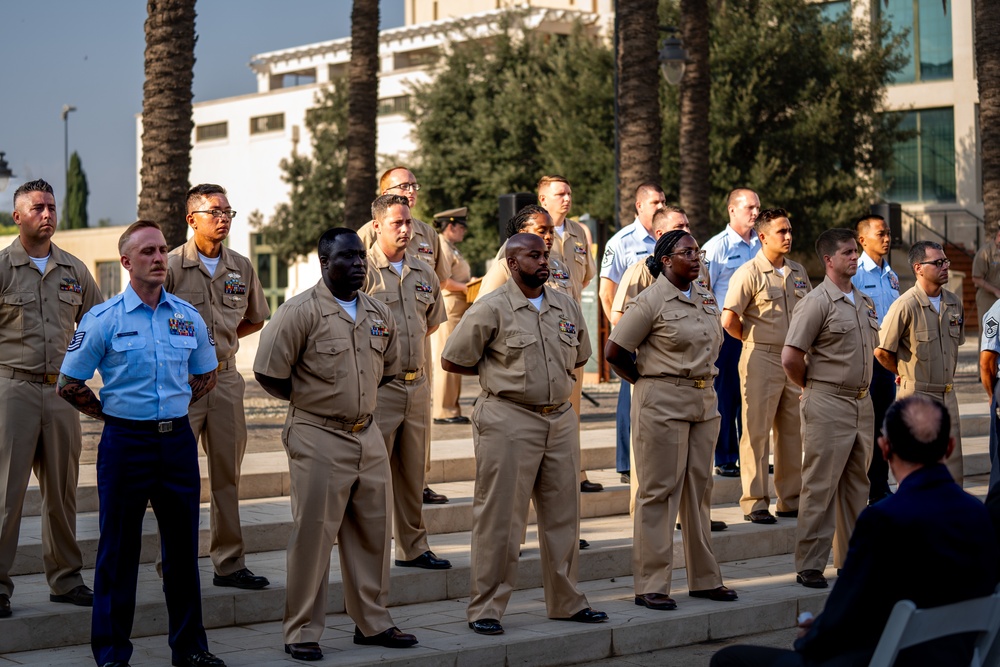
pixel 195 194
pixel 132 229
pixel 660 216
pixel 646 188
pixel 767 216
pixel 32 186
pixel 862 223
pixel 516 224
pixel 830 240
pixel 918 251
pixel 917 428
pixel 382 203
pixel 330 237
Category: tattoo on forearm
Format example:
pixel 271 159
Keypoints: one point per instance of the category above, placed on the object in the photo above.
pixel 202 384
pixel 80 396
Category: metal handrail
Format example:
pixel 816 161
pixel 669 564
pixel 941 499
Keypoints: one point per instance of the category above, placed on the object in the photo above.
pixel 915 221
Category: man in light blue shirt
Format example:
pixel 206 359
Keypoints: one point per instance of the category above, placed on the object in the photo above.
pixel 988 356
pixel 156 357
pixel 631 244
pixel 877 279
pixel 725 252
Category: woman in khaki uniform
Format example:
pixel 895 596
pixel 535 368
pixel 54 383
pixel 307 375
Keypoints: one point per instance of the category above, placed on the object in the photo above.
pixel 673 327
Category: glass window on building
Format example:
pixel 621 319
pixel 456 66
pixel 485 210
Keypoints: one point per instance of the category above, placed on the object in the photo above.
pixel 923 167
pixel 928 27
pixel 272 272
pixel 109 278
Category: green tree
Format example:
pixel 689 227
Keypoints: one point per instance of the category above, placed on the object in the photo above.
pixel 75 205
pixel 988 73
pixel 316 182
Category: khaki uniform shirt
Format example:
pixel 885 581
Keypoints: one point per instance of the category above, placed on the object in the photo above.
pixel 573 251
pixel 637 278
pixel 925 342
pixel 499 274
pixel 672 334
pixel 522 355
pixel 414 299
pixel 224 300
pixel 335 364
pixel 38 314
pixel 986 265
pixel 839 338
pixel 424 243
pixel 458 268
pixel 764 299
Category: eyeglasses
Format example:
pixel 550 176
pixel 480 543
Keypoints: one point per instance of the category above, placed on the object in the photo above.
pixel 219 213
pixel 406 187
pixel 690 253
pixel 939 263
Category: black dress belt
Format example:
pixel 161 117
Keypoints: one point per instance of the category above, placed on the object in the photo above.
pixel 152 426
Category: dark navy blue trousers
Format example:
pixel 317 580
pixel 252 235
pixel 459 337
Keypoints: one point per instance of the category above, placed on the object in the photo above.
pixel 137 465
pixel 727 388
pixel 883 392
pixel 623 426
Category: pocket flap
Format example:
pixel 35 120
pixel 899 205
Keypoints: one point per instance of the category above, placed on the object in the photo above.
pixel 126 343
pixel 333 345
pixel 18 298
pixel 519 340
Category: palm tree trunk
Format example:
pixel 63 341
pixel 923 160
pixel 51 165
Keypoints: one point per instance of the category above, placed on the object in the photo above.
pixel 166 115
pixel 362 107
pixel 695 96
pixel 639 122
pixel 988 73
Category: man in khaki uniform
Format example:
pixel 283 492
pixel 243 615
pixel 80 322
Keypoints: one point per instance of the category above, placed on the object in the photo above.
pixel 223 286
pixel 986 276
pixel 525 342
pixel 326 351
pixel 921 335
pixel 836 327
pixel 759 304
pixel 411 290
pixel 532 219
pixel 44 293
pixel 448 386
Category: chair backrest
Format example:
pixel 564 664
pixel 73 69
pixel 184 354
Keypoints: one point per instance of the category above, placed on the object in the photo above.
pixel 908 626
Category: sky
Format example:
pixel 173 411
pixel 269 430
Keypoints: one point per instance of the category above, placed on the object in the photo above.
pixel 90 55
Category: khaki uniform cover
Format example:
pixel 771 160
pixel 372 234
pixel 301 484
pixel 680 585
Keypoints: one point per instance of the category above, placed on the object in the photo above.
pixel 499 273
pixel 986 265
pixel 404 405
pixel 337 463
pixel 675 421
pixel 764 299
pixel 224 300
pixel 926 347
pixel 40 431
pixel 839 340
pixel 527 443
pixel 448 386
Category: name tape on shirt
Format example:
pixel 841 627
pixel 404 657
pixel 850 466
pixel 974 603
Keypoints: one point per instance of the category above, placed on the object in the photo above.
pixel 180 327
pixel 77 341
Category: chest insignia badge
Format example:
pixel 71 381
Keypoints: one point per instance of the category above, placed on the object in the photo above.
pixel 566 327
pixel 179 327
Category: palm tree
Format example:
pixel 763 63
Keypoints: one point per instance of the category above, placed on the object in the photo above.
pixel 166 115
pixel 988 73
pixel 695 92
pixel 361 112
pixel 639 122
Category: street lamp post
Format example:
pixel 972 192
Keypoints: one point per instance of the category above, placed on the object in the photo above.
pixel 673 57
pixel 5 173
pixel 67 108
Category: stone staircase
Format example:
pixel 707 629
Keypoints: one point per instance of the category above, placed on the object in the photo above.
pixel 244 626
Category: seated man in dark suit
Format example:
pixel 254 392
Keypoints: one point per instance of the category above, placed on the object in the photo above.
pixel 931 543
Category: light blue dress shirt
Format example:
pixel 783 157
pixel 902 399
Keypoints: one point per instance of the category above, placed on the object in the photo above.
pixel 881 284
pixel 629 245
pixel 144 355
pixel 991 329
pixel 724 253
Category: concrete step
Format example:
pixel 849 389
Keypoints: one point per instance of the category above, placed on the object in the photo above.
pixel 769 600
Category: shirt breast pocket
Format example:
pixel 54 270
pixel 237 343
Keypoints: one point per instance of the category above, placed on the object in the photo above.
pixel 69 307
pixel 517 349
pixel 673 323
pixel 925 346
pixel 130 351
pixel 12 307
pixel 331 360
pixel 178 352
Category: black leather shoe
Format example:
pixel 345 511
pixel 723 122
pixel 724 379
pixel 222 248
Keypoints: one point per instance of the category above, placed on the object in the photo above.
pixel 391 638
pixel 244 579
pixel 811 579
pixel 657 601
pixel 5 605
pixel 727 470
pixel 584 544
pixel 116 663
pixel 431 498
pixel 451 420
pixel 791 514
pixel 198 659
pixel 427 560
pixel 716 526
pixel 587 615
pixel 486 626
pixel 720 594
pixel 760 516
pixel 626 477
pixel 81 596
pixel 586 486
pixel 304 651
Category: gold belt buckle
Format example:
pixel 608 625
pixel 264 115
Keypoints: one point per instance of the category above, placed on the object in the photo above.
pixel 862 393
pixel 699 384
pixel 546 409
pixel 947 388
pixel 410 376
pixel 359 425
pixel 50 378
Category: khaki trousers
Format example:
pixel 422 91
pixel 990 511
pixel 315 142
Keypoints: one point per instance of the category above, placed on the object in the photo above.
pixel 219 422
pixel 837 436
pixel 429 371
pixel 40 431
pixel 339 491
pixel 447 386
pixel 403 415
pixel 770 401
pixel 674 445
pixel 949 400
pixel 521 454
pixel 576 400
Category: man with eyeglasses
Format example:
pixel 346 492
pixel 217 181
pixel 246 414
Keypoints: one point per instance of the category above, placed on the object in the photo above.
pixel 921 335
pixel 762 295
pixel 223 286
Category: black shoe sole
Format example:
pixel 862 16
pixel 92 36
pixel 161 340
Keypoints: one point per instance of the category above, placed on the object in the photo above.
pixel 769 521
pixel 498 631
pixel 224 583
pixel 800 580
pixel 655 607
pixel 406 563
pixel 311 657
pixel 65 599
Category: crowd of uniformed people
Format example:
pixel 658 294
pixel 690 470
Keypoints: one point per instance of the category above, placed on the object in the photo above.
pixel 729 359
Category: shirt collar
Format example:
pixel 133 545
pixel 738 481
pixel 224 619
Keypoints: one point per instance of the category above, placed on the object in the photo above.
pixel 868 264
pixel 835 292
pixel 640 232
pixel 736 239
pixel 132 300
